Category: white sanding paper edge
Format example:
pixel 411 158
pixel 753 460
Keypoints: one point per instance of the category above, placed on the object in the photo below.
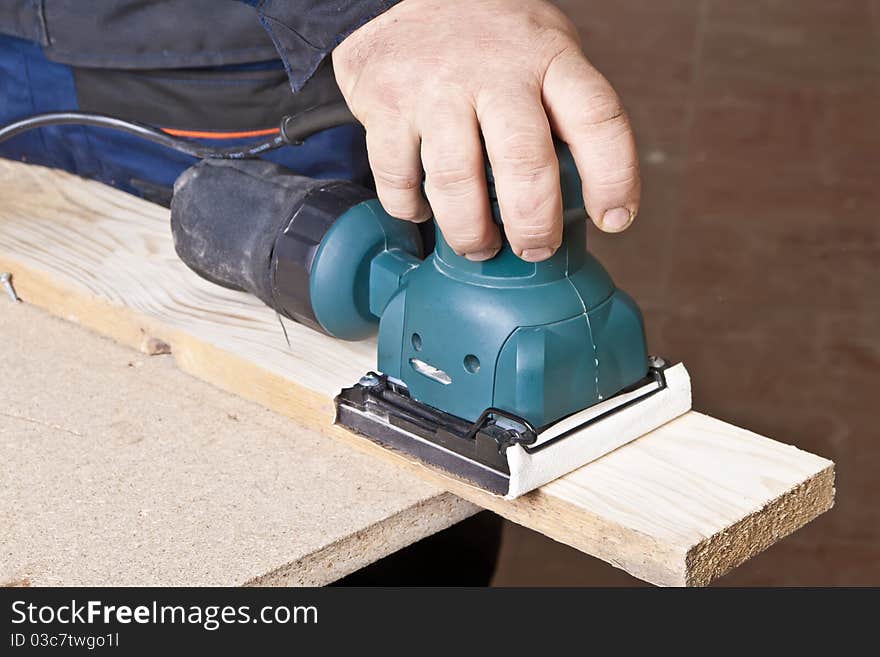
pixel 530 471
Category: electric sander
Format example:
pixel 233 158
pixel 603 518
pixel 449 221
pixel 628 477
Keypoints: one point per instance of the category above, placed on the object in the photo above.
pixel 504 373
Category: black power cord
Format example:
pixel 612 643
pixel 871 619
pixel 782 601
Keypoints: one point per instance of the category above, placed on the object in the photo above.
pixel 296 127
pixel 293 130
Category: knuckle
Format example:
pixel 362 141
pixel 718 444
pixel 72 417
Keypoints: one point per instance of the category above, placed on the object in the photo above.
pixel 526 154
pixel 396 180
pixel 545 22
pixel 558 40
pixel 619 178
pixel 603 109
pixel 555 19
pixel 386 91
pixel 447 82
pixel 536 209
pixel 452 179
pixel 525 149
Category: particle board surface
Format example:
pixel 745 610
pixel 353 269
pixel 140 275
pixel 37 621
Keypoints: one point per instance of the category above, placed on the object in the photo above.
pixel 679 506
pixel 119 469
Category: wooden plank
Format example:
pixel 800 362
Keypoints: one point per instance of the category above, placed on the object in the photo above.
pixel 679 506
pixel 119 469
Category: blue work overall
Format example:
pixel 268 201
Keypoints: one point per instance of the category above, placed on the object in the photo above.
pixel 30 84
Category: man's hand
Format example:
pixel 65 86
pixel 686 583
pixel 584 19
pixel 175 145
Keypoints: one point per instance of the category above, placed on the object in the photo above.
pixel 427 76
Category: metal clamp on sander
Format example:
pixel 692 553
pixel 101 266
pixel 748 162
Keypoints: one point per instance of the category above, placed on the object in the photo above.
pixel 505 373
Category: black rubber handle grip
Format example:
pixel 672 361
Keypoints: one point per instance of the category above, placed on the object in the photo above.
pixel 254 226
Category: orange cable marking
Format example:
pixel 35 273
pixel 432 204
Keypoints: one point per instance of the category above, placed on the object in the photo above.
pixel 198 134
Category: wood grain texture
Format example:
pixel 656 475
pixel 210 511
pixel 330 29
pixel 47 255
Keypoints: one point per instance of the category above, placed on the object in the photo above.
pixel 679 506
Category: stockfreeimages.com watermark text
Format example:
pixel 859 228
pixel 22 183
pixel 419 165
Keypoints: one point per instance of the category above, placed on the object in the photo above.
pixel 210 617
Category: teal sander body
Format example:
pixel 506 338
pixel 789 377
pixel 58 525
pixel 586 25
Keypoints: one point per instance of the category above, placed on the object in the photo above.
pixel 505 373
pixel 542 340
pixel 479 363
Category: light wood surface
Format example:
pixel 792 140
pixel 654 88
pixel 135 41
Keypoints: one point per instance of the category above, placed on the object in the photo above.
pixel 679 506
pixel 119 469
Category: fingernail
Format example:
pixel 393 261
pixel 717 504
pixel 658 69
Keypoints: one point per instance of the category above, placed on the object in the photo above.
pixel 617 219
pixel 480 256
pixel 536 255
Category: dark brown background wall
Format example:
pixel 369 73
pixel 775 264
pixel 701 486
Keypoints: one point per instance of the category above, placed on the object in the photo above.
pixel 756 255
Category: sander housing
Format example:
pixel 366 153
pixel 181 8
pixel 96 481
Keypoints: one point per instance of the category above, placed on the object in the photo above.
pixel 479 363
pixel 543 340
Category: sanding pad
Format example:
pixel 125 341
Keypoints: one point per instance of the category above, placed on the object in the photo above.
pixel 504 454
